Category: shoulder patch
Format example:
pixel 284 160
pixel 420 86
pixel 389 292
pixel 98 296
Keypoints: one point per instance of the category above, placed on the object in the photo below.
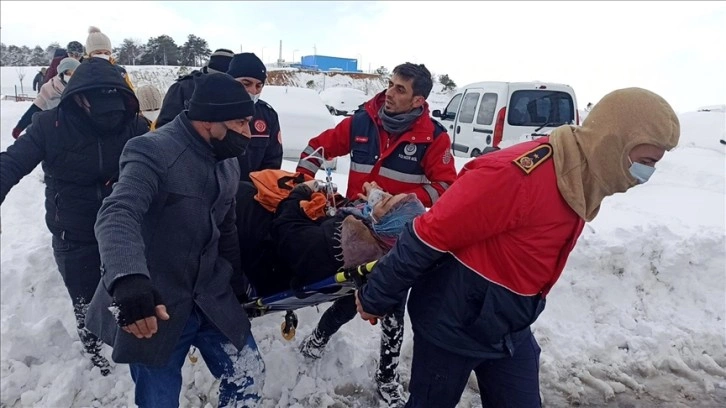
pixel 533 158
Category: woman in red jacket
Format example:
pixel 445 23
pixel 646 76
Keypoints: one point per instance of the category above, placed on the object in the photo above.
pixel 481 262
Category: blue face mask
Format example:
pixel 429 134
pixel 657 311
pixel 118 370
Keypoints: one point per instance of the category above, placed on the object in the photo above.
pixel 640 171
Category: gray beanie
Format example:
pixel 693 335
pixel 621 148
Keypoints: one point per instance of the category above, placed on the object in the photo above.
pixel 66 64
pixel 97 41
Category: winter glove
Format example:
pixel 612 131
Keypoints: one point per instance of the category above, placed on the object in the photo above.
pixel 16 132
pixel 135 299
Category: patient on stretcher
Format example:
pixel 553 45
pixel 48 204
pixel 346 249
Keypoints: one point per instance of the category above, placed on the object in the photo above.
pixel 298 244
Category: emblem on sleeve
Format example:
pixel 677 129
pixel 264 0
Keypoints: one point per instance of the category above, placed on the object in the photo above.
pixel 260 125
pixel 533 158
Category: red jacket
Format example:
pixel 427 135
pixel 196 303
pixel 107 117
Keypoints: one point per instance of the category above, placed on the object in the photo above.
pixel 419 161
pixel 505 219
pixel 53 68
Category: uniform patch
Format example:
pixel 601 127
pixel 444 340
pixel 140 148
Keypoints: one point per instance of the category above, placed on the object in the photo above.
pixel 410 149
pixel 260 125
pixel 447 157
pixel 361 139
pixel 533 158
pixel 279 136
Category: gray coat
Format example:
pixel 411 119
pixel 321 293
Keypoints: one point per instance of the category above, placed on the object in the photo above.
pixel 171 217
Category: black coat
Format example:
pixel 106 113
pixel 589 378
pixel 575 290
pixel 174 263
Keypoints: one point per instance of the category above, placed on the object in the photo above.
pixel 309 249
pixel 265 148
pixel 258 250
pixel 177 98
pixel 80 162
pixel 38 81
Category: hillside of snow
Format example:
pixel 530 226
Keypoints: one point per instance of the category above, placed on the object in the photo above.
pixel 637 319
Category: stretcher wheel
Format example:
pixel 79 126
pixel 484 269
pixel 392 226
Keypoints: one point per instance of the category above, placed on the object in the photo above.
pixel 289 325
pixel 192 355
pixel 288 333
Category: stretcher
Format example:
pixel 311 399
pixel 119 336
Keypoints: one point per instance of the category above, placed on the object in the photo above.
pixel 343 283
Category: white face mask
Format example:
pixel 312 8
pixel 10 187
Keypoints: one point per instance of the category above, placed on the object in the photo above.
pixel 640 171
pixel 103 56
pixel 151 115
pixel 255 98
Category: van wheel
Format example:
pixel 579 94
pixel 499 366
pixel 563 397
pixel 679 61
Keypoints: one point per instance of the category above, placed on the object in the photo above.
pixel 475 153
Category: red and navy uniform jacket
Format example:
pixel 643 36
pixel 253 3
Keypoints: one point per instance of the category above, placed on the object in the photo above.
pixel 481 261
pixel 418 161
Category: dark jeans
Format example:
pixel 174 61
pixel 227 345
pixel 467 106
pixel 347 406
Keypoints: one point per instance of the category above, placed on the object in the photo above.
pixel 438 377
pixel 241 371
pixel 80 266
pixel 343 310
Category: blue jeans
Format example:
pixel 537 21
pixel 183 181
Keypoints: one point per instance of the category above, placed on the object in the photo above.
pixel 438 377
pixel 242 372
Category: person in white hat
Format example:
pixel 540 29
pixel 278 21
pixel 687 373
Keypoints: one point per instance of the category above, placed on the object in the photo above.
pixel 49 95
pixel 149 103
pixel 98 45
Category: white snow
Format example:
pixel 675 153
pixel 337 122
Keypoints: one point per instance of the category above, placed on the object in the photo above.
pixel 637 318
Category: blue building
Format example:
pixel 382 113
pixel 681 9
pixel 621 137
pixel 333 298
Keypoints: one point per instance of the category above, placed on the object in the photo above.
pixel 327 63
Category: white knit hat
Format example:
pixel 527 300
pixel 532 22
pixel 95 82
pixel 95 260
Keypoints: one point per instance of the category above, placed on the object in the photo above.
pixel 97 41
pixel 149 98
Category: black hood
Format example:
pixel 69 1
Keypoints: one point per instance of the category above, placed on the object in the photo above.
pixel 97 73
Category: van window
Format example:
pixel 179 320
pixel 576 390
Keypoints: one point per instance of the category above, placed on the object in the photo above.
pixel 452 107
pixel 468 106
pixel 488 104
pixel 537 107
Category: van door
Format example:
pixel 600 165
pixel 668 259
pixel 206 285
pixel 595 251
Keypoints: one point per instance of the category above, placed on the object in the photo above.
pixel 483 128
pixel 448 116
pixel 463 135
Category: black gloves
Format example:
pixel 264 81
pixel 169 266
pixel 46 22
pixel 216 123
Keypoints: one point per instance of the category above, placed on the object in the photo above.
pixel 135 299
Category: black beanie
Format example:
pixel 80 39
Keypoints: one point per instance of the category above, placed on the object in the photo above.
pixel 218 97
pixel 219 60
pixel 247 65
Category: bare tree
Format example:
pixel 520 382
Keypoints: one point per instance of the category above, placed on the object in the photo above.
pixel 21 75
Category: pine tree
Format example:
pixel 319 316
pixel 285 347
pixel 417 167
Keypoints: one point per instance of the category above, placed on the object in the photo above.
pixel 195 51
pixel 38 57
pixel 449 85
pixel 130 52
pixel 161 50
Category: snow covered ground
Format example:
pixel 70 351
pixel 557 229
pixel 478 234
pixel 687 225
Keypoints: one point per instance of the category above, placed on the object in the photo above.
pixel 637 319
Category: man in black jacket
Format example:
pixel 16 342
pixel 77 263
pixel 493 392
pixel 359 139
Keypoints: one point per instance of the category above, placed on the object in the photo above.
pixel 79 144
pixel 38 80
pixel 265 148
pixel 177 97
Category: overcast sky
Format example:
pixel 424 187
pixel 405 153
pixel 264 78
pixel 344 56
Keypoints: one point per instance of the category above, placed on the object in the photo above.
pixel 676 49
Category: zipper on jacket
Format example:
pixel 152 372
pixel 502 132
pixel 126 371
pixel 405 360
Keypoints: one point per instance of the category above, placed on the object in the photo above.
pixel 56 199
pixel 99 185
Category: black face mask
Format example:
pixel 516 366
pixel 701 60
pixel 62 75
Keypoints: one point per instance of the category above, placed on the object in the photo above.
pixel 232 145
pixel 108 122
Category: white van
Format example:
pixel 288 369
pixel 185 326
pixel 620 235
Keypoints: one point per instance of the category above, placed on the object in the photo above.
pixel 480 116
